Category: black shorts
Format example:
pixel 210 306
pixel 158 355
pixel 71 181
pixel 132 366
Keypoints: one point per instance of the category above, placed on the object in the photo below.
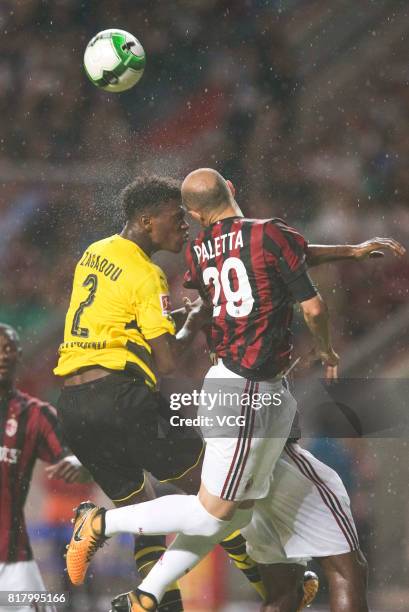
pixel 118 427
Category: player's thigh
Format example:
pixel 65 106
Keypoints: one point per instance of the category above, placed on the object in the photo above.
pixel 172 454
pixel 103 425
pixel 350 567
pixel 281 576
pixel 147 493
pixel 310 507
pixel 243 441
pixel 221 508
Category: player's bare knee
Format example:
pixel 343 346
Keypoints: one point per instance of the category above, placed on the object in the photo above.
pixel 217 507
pixel 207 520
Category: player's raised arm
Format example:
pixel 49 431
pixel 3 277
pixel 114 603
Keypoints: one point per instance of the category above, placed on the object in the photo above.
pixel 318 254
pixel 286 251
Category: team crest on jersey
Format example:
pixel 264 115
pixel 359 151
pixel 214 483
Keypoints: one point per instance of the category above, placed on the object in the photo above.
pixel 165 304
pixel 11 427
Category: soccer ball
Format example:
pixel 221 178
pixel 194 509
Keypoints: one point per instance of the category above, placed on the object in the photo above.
pixel 114 60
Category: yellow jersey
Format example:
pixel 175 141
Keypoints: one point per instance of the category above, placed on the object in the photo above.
pixel 119 301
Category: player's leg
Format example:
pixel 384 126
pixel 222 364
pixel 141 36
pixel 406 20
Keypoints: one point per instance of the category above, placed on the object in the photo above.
pixel 335 533
pixel 224 470
pixel 236 547
pixel 149 549
pixel 105 422
pixel 187 550
pixel 287 587
pixel 347 581
pixel 234 470
pixel 177 513
pixel 95 542
pixel 307 514
pixel 86 411
pixel 283 586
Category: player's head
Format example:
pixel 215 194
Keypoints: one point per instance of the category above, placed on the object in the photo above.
pixel 10 351
pixel 206 195
pixel 153 206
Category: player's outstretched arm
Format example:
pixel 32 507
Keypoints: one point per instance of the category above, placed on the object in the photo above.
pixel 318 254
pixel 317 319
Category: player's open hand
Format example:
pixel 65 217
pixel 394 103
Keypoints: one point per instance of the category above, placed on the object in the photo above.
pixel 198 309
pixel 330 361
pixel 375 247
pixel 68 469
pixel 194 306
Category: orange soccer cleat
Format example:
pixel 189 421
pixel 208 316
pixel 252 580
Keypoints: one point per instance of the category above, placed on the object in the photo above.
pixel 134 601
pixel 87 537
pixel 310 586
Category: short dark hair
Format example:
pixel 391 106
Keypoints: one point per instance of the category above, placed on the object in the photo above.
pixel 148 193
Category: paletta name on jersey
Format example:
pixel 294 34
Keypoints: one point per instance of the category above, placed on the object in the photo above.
pixel 217 246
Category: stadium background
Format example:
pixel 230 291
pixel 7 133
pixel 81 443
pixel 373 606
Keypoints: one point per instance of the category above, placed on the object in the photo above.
pixel 305 106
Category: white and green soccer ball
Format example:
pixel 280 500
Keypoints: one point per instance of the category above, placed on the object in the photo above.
pixel 114 60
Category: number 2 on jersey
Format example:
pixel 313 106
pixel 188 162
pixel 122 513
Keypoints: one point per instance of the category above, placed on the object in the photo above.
pixel 242 294
pixel 91 283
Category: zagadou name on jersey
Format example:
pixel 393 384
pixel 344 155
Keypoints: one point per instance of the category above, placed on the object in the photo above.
pixel 101 264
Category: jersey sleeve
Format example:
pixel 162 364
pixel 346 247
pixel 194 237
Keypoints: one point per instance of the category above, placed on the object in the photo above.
pixel 190 279
pixel 51 446
pixel 285 249
pixel 154 307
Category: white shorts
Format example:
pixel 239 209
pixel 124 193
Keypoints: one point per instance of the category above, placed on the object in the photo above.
pixel 239 459
pixel 306 513
pixel 22 576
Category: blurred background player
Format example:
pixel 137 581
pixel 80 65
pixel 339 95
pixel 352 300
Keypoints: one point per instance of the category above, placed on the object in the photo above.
pixel 29 430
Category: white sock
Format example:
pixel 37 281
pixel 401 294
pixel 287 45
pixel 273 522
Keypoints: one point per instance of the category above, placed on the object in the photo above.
pixel 185 552
pixel 164 515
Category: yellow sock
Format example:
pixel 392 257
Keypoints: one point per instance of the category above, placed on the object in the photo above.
pixel 235 546
pixel 148 550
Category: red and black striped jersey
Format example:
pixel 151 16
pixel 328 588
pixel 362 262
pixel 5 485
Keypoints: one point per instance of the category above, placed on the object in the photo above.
pixel 253 270
pixel 29 430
